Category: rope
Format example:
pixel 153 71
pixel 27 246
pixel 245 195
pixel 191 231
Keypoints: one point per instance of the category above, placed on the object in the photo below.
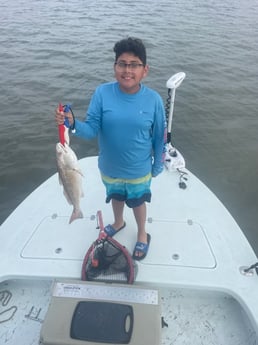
pixel 254 266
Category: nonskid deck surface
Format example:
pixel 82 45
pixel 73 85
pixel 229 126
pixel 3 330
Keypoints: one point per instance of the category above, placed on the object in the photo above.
pixel 189 316
pixel 204 318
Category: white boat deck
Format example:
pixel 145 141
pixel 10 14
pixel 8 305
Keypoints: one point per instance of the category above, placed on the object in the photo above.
pixel 196 256
pixel 203 317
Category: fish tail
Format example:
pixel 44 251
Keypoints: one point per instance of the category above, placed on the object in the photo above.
pixel 75 215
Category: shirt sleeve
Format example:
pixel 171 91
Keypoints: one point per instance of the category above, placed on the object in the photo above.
pixel 89 128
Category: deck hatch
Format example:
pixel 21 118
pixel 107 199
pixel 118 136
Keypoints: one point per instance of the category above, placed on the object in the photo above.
pixel 187 246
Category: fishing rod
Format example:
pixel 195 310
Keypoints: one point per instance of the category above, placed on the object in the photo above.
pixel 173 159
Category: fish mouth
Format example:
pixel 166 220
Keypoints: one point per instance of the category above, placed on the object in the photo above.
pixel 60 148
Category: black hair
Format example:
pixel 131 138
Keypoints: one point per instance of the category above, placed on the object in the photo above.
pixel 131 45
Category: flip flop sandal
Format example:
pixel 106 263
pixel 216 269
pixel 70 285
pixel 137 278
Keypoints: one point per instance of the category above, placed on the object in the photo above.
pixel 110 231
pixel 141 247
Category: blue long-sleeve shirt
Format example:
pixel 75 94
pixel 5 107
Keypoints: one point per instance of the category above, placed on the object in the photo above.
pixel 130 130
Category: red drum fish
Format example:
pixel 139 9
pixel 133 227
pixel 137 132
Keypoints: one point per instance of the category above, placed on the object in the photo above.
pixel 70 176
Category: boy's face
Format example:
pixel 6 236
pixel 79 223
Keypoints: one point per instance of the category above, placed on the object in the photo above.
pixel 129 71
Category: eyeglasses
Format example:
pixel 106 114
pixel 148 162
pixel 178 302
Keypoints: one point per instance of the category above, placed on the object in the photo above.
pixel 133 65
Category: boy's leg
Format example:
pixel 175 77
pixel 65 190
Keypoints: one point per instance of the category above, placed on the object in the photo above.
pixel 140 213
pixel 118 210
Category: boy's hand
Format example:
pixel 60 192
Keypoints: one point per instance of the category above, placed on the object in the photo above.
pixel 60 117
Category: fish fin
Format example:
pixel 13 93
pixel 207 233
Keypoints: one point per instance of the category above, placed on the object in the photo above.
pixel 60 180
pixel 79 172
pixel 75 215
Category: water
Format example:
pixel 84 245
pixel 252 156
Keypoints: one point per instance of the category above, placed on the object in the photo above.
pixel 58 50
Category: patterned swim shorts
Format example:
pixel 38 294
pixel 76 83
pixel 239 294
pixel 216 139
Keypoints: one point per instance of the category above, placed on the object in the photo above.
pixel 133 191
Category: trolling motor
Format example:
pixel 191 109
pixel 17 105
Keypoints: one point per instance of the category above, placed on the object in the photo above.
pixel 173 159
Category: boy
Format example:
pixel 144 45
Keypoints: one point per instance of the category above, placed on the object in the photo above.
pixel 129 120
